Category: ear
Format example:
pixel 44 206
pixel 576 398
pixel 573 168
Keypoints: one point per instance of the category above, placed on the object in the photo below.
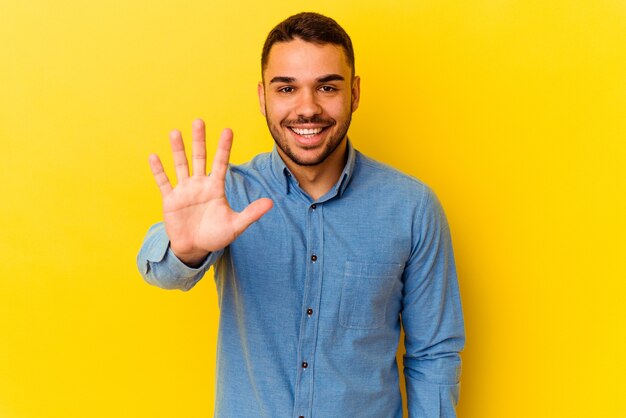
pixel 356 92
pixel 261 93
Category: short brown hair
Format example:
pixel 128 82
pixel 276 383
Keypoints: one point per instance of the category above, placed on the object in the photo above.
pixel 310 27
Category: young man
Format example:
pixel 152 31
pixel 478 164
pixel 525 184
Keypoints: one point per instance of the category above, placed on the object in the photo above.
pixel 320 253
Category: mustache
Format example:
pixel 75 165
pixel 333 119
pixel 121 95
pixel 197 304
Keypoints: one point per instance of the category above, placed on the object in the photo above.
pixel 317 119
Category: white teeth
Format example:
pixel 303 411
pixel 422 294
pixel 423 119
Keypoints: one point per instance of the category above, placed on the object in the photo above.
pixel 307 131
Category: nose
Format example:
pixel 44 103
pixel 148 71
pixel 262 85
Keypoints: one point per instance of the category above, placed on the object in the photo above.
pixel 307 104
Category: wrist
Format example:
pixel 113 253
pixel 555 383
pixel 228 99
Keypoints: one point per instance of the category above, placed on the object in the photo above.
pixel 191 259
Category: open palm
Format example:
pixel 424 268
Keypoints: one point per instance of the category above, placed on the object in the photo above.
pixel 197 216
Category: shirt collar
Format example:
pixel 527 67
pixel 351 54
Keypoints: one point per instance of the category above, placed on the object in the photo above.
pixel 285 178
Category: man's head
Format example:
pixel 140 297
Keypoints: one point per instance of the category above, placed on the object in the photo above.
pixel 309 27
pixel 309 89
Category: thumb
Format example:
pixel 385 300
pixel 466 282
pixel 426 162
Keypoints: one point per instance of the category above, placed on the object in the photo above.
pixel 252 213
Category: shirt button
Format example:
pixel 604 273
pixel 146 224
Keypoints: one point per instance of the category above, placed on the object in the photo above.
pixel 313 206
pixel 301 416
pixel 314 258
pixel 305 364
pixel 309 311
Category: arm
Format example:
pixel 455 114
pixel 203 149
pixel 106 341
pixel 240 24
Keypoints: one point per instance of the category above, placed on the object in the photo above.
pixel 432 318
pixel 198 221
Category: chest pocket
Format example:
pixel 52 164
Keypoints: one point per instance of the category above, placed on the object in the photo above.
pixel 365 293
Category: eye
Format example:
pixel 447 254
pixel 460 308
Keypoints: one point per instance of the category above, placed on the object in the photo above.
pixel 328 89
pixel 286 89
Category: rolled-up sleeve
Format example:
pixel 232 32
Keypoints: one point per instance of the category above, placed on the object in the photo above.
pixel 160 267
pixel 432 317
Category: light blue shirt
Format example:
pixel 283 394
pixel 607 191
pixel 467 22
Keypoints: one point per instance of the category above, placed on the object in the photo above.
pixel 313 295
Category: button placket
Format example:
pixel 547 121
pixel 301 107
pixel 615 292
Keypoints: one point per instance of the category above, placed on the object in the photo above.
pixel 309 322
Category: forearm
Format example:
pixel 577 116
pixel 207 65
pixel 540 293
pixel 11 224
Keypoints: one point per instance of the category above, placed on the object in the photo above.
pixel 160 267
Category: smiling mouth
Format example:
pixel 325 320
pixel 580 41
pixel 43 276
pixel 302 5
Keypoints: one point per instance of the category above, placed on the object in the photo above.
pixel 307 132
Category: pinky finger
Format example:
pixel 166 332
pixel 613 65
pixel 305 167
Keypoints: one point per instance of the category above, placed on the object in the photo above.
pixel 159 175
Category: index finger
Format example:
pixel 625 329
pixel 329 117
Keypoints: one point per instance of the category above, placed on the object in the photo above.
pixel 222 155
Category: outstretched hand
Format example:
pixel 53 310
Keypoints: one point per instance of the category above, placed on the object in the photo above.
pixel 197 216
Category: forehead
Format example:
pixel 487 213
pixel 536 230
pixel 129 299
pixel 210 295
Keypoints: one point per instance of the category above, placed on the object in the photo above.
pixel 301 59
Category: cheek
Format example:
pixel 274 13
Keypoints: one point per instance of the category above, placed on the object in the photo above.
pixel 277 109
pixel 339 109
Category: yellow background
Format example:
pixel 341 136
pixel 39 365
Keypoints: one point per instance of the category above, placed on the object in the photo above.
pixel 513 111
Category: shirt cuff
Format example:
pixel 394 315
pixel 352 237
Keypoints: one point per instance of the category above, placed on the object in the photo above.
pixel 431 400
pixel 159 266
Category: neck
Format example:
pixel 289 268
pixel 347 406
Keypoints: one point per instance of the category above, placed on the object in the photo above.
pixel 317 180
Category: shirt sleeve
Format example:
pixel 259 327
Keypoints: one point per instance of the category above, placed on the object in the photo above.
pixel 160 267
pixel 432 317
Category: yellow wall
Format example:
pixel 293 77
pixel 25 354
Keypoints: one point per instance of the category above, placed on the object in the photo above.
pixel 514 111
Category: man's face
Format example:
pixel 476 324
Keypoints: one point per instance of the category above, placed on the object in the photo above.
pixel 307 96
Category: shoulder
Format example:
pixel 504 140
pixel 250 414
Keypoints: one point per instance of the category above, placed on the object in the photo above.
pixel 253 171
pixel 390 181
pixel 259 164
pixel 249 181
pixel 390 191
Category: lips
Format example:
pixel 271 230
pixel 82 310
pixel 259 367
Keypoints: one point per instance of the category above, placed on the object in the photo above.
pixel 307 132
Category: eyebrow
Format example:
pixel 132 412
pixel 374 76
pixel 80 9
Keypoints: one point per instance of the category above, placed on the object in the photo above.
pixel 330 77
pixel 324 79
pixel 282 79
